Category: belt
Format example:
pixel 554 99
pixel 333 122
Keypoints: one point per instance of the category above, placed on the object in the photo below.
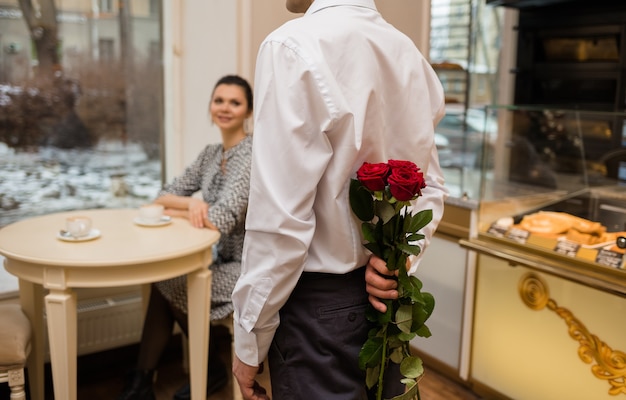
pixel 310 276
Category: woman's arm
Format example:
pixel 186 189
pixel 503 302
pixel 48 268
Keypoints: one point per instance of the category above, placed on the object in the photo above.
pixel 194 209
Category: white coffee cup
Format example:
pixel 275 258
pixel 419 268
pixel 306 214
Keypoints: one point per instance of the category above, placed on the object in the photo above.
pixel 151 213
pixel 78 226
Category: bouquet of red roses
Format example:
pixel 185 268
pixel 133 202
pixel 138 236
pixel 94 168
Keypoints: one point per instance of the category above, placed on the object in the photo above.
pixel 380 197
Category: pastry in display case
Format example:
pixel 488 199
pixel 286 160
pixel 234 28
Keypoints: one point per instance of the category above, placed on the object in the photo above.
pixel 545 190
pixel 565 234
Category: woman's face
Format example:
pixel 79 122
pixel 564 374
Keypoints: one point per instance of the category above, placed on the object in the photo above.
pixel 229 107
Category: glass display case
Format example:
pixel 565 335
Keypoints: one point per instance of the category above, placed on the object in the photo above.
pixel 547 199
pixel 549 250
pixel 461 136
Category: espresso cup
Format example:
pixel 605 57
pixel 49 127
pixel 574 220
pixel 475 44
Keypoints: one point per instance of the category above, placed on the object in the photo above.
pixel 78 226
pixel 151 213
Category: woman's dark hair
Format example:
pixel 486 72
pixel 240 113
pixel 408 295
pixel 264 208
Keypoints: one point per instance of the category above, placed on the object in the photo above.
pixel 239 81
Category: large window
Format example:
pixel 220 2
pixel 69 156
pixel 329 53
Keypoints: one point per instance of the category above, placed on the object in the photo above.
pixel 81 125
pixel 464 49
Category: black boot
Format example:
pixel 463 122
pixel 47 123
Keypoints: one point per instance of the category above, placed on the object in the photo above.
pixel 138 385
pixel 216 380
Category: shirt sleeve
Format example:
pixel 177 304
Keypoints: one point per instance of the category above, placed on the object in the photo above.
pixel 435 194
pixel 291 115
pixel 433 198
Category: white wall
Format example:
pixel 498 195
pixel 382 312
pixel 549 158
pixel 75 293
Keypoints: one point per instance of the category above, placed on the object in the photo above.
pixel 200 45
pixel 205 39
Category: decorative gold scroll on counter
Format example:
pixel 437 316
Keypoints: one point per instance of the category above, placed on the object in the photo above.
pixel 610 365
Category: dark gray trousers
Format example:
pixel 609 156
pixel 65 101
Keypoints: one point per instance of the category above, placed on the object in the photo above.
pixel 315 351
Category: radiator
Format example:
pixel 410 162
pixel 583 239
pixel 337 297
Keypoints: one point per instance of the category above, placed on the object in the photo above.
pixel 107 322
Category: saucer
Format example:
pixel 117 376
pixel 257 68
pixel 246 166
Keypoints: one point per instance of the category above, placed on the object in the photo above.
pixel 93 234
pixel 165 220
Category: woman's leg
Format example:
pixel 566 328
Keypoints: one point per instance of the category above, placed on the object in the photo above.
pixel 217 372
pixel 157 331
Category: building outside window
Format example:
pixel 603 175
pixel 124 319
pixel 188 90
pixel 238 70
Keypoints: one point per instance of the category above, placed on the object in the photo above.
pixel 106 6
pixel 464 51
pixel 80 127
pixel 105 50
pixel 155 7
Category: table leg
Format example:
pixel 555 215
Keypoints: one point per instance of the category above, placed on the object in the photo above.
pixel 61 311
pixel 31 299
pixel 198 307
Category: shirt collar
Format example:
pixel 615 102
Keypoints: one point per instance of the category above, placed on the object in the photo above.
pixel 318 5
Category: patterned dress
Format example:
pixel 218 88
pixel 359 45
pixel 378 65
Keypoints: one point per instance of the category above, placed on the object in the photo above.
pixel 227 195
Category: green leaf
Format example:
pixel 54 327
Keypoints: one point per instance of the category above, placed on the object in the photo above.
pixel 411 393
pixel 413 237
pixel 361 201
pixel 401 260
pixel 393 341
pixel 369 231
pixel 421 312
pixel 375 249
pixel 429 303
pixel 371 376
pixel 406 337
pixel 412 367
pixel 415 282
pixel 372 315
pixel 409 248
pixel 384 210
pixel 403 280
pixel 413 288
pixel 389 232
pixel 406 226
pixel 400 232
pixel 404 318
pixel 385 318
pixel 397 355
pixel 420 220
pixel 423 331
pixel 371 352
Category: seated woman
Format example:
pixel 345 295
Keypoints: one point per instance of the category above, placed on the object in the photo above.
pixel 222 174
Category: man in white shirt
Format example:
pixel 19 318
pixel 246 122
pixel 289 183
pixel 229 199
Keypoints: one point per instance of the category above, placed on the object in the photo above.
pixel 333 89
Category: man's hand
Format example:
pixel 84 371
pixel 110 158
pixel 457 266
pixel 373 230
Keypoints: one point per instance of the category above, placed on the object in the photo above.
pixel 245 374
pixel 380 283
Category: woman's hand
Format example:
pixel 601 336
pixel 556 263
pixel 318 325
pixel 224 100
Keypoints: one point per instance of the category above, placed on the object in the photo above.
pixel 380 283
pixel 194 209
pixel 208 224
pixel 197 212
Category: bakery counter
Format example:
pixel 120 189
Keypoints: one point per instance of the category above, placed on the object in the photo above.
pixel 458 218
pixel 542 259
pixel 579 237
pixel 545 279
pixel 537 335
pixel 549 299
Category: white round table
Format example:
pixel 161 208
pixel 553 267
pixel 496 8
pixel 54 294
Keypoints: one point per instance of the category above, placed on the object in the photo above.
pixel 124 254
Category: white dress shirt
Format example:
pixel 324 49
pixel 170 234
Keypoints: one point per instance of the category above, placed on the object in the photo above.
pixel 334 88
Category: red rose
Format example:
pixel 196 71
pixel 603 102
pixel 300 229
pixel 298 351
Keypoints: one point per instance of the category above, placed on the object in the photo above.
pixel 406 183
pixel 373 176
pixel 403 164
